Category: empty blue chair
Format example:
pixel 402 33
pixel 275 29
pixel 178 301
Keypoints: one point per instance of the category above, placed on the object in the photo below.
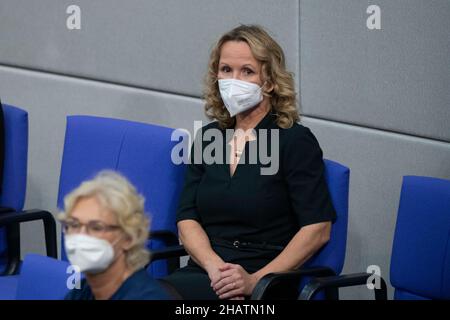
pixel 13 188
pixel 420 261
pixel 141 152
pixel 12 197
pixel 420 258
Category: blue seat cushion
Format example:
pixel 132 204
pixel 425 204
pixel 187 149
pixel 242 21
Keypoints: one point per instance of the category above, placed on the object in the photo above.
pixel 8 287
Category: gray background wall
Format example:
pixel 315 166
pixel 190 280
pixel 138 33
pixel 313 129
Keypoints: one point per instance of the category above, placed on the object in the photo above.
pixel 377 100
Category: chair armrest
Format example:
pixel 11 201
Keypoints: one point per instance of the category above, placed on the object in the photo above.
pixel 13 219
pixel 172 250
pixel 6 209
pixel 166 253
pixel 169 238
pixel 342 281
pixel 261 290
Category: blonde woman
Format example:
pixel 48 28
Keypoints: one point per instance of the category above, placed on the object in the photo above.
pixel 236 223
pixel 105 230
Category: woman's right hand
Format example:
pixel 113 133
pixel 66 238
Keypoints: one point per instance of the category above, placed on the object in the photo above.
pixel 215 274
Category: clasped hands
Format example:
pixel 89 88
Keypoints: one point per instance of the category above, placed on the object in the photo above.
pixel 231 281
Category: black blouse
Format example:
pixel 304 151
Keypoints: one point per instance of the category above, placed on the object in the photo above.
pixel 249 206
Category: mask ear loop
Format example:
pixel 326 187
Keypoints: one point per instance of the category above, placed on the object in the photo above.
pixel 116 241
pixel 113 244
pixel 271 108
pixel 262 86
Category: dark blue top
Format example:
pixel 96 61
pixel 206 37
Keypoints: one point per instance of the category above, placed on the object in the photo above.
pixel 139 286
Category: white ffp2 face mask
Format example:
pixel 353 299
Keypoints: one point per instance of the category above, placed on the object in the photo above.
pixel 90 254
pixel 239 96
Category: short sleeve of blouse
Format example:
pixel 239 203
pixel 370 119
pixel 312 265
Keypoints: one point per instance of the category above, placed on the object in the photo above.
pixel 304 172
pixel 187 207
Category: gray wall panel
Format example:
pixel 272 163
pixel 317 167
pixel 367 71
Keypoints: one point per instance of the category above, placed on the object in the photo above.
pixel 378 161
pixel 162 45
pixel 395 78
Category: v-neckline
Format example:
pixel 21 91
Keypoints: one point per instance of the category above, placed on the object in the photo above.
pixel 239 164
pixel 261 124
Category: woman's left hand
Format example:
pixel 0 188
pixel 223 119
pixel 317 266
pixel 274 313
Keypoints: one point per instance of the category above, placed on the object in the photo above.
pixel 234 282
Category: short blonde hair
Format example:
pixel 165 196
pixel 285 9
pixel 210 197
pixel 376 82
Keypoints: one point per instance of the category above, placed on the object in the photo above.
pixel 267 51
pixel 115 193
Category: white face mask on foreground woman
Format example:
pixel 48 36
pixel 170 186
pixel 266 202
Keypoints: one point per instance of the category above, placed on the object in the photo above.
pixel 90 254
pixel 239 96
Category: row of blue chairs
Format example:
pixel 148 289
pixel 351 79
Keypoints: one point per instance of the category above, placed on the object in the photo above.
pixel 420 263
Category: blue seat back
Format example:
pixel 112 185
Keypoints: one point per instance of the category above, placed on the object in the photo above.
pixel 15 166
pixel 332 255
pixel 42 278
pixel 141 152
pixel 420 260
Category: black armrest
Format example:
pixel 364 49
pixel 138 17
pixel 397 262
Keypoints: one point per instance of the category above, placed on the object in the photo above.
pixel 6 209
pixel 170 252
pixel 349 280
pixel 290 278
pixel 12 220
pixel 169 238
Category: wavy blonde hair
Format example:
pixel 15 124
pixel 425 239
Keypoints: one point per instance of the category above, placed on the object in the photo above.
pixel 115 193
pixel 267 51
